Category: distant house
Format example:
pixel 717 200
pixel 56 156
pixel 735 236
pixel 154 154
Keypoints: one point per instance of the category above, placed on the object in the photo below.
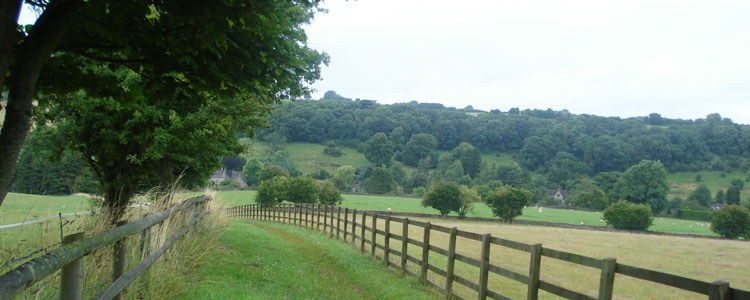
pixel 225 174
pixel 558 194
pixel 717 206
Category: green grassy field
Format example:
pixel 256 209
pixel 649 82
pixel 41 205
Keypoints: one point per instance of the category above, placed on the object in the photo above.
pixel 24 207
pixel 308 157
pixel 262 260
pixel 403 204
pixel 682 183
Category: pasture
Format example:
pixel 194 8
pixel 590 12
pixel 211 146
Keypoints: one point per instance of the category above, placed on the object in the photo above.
pixel 263 260
pixel 701 259
pixel 682 183
pixel 308 157
pixel 413 205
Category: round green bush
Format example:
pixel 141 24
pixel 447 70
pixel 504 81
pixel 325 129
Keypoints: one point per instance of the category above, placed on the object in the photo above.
pixel 732 222
pixel 626 215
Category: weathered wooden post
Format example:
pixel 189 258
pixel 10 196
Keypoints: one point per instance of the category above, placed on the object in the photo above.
pixel 607 280
pixel 118 258
pixel 387 241
pixel 346 222
pixel 484 266
pixel 362 233
pixel 145 252
pixel 718 290
pixel 306 213
pixel 534 266
pixel 71 283
pixel 425 251
pixel 338 222
pixel 332 228
pixel 374 236
pixel 404 243
pixel 354 226
pixel 449 277
pixel 318 212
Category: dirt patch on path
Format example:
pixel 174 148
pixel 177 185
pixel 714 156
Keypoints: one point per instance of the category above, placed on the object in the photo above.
pixel 346 288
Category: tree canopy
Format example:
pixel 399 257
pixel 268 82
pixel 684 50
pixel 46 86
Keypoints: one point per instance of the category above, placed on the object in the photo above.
pixel 165 65
pixel 643 183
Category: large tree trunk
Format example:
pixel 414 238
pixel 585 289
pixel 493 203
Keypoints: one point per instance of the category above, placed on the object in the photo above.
pixel 116 199
pixel 32 54
pixel 9 12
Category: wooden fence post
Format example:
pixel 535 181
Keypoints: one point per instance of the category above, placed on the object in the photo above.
pixel 374 235
pixel 71 283
pixel 318 212
pixel 534 266
pixel 404 243
pixel 425 250
pixel 607 280
pixel 484 266
pixel 718 290
pixel 118 258
pixel 346 222
pixel 362 233
pixel 307 214
pixel 145 252
pixel 331 228
pixel 387 241
pixel 449 277
pixel 354 226
pixel 338 222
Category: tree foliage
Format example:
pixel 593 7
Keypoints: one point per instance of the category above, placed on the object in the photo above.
pixel 378 150
pixel 418 147
pixel 272 171
pixel 302 190
pixel 250 172
pixel 170 65
pixel 626 215
pixel 701 195
pixel 328 194
pixel 508 202
pixel 273 191
pixel 643 183
pixel 444 197
pixel 732 222
pixel 470 157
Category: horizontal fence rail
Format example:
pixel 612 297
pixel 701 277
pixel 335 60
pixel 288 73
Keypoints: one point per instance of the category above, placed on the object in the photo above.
pixel 310 215
pixel 67 257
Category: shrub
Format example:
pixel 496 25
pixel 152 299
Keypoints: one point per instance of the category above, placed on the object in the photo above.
pixel 698 215
pixel 445 197
pixel 419 191
pixel 328 194
pixel 508 202
pixel 332 150
pixel 468 198
pixel 732 222
pixel 228 184
pixel 303 190
pixel 272 171
pixel 272 191
pixel 321 174
pixel 626 215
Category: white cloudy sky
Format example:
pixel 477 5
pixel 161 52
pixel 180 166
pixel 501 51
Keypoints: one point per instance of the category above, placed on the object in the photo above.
pixel 683 59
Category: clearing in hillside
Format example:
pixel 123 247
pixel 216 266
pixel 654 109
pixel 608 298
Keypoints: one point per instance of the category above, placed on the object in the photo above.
pixel 262 260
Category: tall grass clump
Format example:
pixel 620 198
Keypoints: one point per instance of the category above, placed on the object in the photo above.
pixel 166 278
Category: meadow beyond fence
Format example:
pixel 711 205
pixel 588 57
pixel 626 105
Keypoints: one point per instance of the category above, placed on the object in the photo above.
pixel 352 226
pixel 69 256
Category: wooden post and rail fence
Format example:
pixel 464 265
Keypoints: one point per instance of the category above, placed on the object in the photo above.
pixel 69 256
pixel 309 215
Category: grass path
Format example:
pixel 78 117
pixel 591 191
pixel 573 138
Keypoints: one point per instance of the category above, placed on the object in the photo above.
pixel 262 260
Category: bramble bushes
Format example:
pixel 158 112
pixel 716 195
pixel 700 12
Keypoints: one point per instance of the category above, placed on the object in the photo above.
pixel 626 215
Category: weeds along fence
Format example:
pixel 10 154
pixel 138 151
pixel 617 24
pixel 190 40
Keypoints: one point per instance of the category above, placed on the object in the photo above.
pixel 352 226
pixel 69 256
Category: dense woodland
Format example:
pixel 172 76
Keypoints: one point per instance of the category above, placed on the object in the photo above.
pixel 544 139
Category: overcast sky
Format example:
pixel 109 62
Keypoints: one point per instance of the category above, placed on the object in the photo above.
pixel 682 59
